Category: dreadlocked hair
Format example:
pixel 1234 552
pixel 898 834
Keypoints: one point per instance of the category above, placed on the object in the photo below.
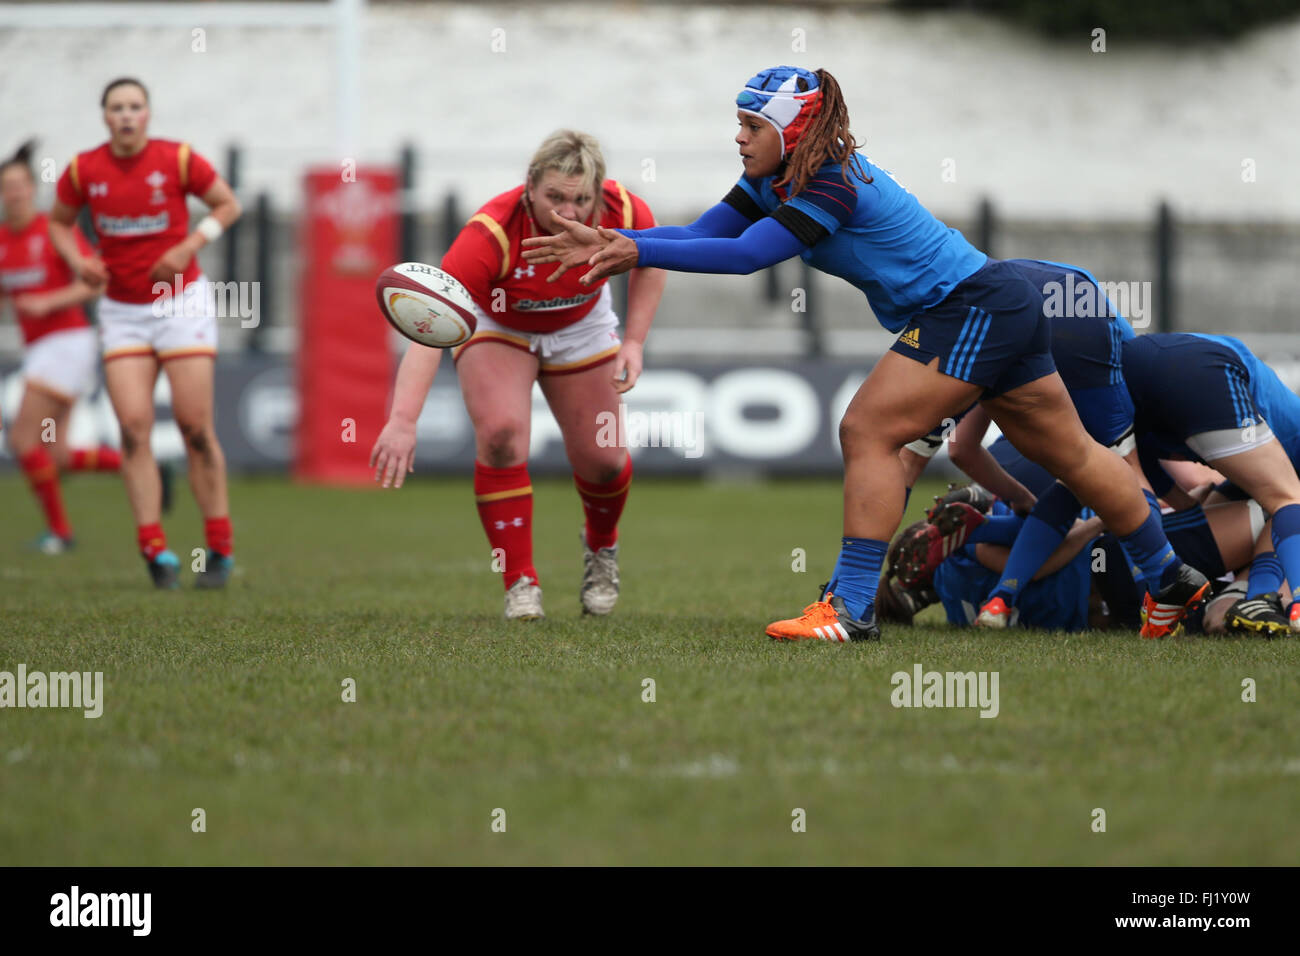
pixel 22 157
pixel 826 140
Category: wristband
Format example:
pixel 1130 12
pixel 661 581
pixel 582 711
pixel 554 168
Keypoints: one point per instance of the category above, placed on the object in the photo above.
pixel 210 229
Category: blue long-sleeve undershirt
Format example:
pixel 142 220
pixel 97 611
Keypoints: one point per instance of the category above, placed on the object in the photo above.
pixel 718 221
pixel 722 241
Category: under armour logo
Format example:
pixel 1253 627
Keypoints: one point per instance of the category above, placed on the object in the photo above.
pixel 502 525
pixel 97 189
pixel 521 272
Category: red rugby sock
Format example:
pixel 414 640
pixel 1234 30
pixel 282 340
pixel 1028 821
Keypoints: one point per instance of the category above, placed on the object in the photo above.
pixel 603 505
pixel 151 539
pixel 505 506
pixel 43 476
pixel 102 458
pixel 221 538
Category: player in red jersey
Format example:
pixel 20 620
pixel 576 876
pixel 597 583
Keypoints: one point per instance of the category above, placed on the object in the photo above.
pixel 562 335
pixel 157 311
pixel 59 354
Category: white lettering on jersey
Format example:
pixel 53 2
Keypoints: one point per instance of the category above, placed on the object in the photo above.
pixel 13 279
pixel 550 305
pixel 131 225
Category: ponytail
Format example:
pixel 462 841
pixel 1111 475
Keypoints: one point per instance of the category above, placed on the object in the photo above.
pixel 826 140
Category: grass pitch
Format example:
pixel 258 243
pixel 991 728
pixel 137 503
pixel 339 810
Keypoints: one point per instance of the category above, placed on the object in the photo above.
pixel 232 702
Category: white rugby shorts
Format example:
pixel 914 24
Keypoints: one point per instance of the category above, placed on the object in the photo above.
pixel 589 342
pixel 167 327
pixel 63 362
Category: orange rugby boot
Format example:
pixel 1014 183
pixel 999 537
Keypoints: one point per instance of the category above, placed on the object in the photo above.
pixel 1162 615
pixel 825 621
pixel 994 614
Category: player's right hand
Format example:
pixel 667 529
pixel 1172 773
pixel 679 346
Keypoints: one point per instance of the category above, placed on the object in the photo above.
pixel 394 453
pixel 92 271
pixel 573 245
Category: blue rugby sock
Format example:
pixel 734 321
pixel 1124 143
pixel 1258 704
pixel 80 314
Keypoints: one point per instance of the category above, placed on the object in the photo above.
pixel 1265 575
pixel 1153 503
pixel 1150 551
pixel 856 574
pixel 1043 531
pixel 999 529
pixel 1286 542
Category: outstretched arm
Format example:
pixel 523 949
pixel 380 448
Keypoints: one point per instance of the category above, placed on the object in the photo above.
pixel 763 244
pixel 577 245
pixel 719 221
pixel 827 202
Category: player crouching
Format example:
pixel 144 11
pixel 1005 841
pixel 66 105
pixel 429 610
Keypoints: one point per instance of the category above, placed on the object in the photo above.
pixel 538 324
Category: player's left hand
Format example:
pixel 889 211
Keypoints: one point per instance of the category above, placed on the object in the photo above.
pixel 172 263
pixel 573 246
pixel 618 255
pixel 627 366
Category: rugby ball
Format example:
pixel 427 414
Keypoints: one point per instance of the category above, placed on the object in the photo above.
pixel 426 304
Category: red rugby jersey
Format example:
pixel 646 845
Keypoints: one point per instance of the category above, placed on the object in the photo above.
pixel 137 206
pixel 30 263
pixel 486 257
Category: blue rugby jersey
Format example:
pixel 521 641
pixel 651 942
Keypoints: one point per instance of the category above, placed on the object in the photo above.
pixel 1278 404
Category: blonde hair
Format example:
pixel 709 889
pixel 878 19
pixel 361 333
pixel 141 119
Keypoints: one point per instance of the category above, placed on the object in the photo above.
pixel 571 153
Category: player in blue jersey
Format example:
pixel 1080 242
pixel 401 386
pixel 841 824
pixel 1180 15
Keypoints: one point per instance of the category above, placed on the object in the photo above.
pixel 1208 398
pixel 1086 583
pixel 972 329
pixel 1086 580
pixel 1054 596
pixel 1087 334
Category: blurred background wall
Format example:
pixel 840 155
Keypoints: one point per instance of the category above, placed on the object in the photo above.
pixel 1152 143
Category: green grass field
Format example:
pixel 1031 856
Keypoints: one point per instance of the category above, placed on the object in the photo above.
pixel 232 702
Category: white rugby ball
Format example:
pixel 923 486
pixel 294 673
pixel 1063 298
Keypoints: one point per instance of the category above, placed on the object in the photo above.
pixel 426 304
